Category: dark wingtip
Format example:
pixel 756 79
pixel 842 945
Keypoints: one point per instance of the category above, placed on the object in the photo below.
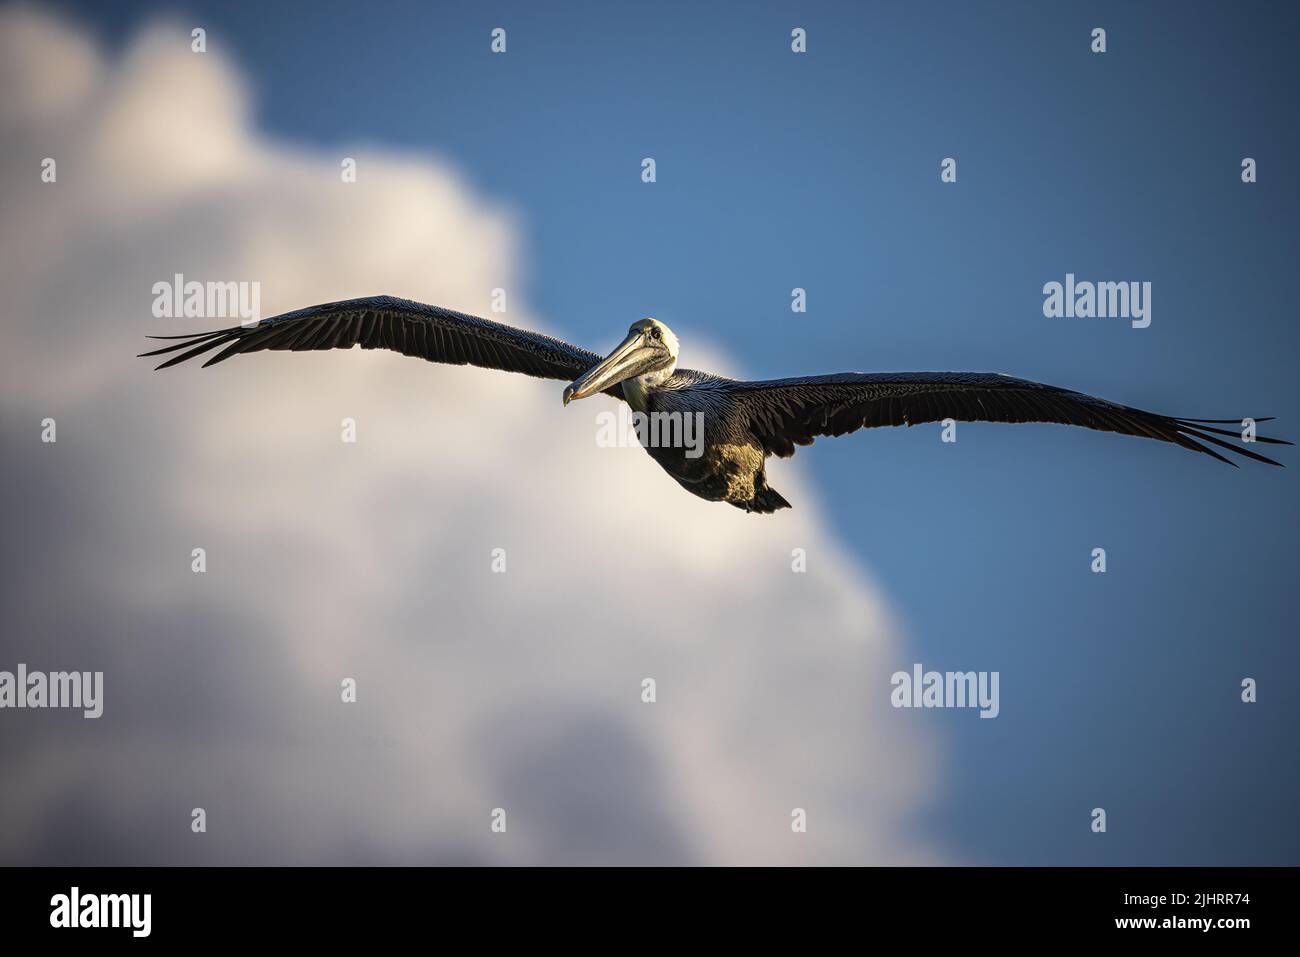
pixel 1201 430
pixel 1188 432
pixel 170 362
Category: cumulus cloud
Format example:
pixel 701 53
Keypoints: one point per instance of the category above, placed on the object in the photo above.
pixel 371 560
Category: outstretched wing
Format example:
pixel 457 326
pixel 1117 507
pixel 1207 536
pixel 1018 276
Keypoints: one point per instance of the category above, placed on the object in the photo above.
pixel 400 325
pixel 784 413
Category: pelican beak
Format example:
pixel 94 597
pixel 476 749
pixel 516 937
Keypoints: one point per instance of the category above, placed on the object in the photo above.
pixel 631 358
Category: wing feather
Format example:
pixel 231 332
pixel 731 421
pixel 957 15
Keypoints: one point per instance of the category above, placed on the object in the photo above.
pixel 399 325
pixel 785 413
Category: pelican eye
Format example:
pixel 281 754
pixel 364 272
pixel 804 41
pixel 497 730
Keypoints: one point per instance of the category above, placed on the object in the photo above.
pixel 654 333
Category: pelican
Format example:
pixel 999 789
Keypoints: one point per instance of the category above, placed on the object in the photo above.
pixel 744 422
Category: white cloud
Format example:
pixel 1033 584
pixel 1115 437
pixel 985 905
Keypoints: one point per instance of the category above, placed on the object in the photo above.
pixel 372 560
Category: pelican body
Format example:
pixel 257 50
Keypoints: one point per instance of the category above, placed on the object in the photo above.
pixel 744 422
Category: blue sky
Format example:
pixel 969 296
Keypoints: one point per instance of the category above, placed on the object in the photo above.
pixel 822 171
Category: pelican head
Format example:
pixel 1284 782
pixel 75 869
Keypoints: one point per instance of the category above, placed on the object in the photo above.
pixel 648 355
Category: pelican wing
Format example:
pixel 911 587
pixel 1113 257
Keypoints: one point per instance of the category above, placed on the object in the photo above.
pixel 784 413
pixel 400 325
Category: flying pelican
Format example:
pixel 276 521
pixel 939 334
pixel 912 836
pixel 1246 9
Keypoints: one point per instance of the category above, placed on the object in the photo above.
pixel 744 422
